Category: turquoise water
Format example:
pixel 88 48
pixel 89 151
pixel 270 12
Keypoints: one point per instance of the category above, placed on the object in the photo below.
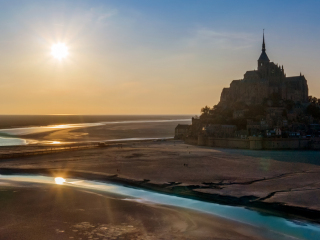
pixel 7 141
pixel 272 227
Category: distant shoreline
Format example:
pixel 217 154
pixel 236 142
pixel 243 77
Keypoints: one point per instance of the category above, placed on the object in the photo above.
pixel 16 121
pixel 91 132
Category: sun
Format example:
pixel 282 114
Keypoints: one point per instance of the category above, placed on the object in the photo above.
pixel 59 51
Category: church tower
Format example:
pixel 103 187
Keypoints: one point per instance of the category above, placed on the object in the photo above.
pixel 263 59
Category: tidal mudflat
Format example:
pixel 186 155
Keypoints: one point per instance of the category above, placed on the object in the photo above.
pixel 50 211
pixel 227 176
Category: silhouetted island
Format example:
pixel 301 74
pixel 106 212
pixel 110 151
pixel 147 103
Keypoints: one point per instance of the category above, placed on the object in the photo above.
pixel 264 110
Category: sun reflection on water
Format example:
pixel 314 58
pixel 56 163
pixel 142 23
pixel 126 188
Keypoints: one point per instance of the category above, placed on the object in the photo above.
pixel 59 180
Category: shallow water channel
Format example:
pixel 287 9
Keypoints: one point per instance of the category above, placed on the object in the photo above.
pixel 272 227
pixel 8 136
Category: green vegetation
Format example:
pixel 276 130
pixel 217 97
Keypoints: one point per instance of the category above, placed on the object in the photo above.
pixel 313 109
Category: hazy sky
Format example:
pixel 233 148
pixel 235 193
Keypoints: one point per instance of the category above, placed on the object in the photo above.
pixel 146 56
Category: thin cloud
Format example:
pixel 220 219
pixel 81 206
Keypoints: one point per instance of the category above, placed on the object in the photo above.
pixel 225 40
pixel 100 16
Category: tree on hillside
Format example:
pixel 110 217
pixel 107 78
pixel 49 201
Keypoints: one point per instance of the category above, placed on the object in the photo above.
pixel 313 110
pixel 205 110
pixel 313 100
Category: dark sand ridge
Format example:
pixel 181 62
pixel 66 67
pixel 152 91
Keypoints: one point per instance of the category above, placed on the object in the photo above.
pixel 40 211
pixel 219 175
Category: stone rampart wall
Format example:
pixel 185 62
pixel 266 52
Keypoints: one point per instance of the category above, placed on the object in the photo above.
pixel 253 143
pixel 286 144
pixel 315 146
pixel 228 143
pixel 192 141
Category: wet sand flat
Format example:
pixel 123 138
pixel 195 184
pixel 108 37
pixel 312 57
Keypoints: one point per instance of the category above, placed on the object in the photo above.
pixel 41 211
pixel 171 166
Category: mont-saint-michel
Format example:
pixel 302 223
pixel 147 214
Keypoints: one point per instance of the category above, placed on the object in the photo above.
pixel 264 110
pixel 124 177
pixel 91 96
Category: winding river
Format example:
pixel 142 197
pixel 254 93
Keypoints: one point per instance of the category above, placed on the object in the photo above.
pixel 272 227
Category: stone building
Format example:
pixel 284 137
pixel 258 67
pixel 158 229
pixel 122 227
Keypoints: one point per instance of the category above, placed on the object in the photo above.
pixel 239 113
pixel 269 80
pixel 181 131
pixel 219 130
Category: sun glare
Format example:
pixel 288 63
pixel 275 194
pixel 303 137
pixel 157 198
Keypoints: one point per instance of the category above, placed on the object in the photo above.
pixel 59 180
pixel 59 51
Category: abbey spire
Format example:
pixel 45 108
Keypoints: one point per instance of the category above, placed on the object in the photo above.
pixel 263 59
pixel 263 44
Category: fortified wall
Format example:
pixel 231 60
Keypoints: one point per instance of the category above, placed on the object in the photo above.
pixel 254 143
